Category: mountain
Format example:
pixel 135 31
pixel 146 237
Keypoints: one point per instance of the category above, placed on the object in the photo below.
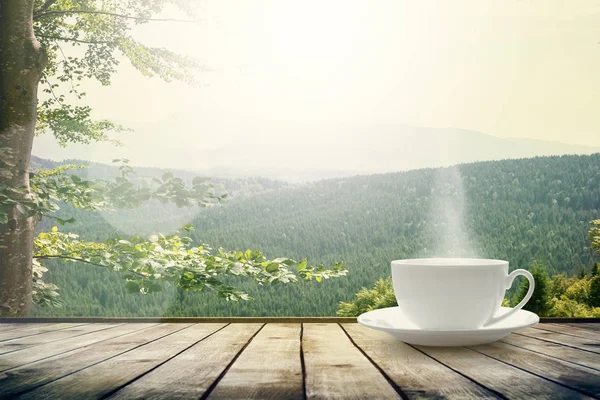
pixel 518 210
pixel 300 152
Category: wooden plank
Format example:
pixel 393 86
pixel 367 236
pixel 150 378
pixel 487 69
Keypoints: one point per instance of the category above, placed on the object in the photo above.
pixel 32 354
pixel 192 372
pixel 505 379
pixel 269 368
pixel 569 330
pixel 48 337
pixel 589 327
pixel 102 379
pixel 418 375
pixel 570 354
pixel 560 338
pixel 6 327
pixel 582 379
pixel 33 329
pixel 31 376
pixel 336 369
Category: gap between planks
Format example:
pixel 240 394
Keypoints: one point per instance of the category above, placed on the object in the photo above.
pixel 44 351
pixel 26 331
pixel 418 375
pixel 105 378
pixel 65 365
pixel 592 346
pixel 574 377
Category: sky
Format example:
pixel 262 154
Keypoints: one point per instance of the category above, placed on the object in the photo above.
pixel 284 79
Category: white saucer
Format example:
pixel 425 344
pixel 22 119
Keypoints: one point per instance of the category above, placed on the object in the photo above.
pixel 392 321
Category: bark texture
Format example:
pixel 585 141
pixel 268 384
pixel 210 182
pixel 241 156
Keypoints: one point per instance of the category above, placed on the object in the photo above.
pixel 22 61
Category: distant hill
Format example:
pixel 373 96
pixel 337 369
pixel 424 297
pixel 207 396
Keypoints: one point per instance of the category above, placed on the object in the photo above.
pixel 300 152
pixel 151 216
pixel 519 210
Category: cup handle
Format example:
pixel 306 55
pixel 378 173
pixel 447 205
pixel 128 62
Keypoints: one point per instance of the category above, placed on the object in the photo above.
pixel 509 281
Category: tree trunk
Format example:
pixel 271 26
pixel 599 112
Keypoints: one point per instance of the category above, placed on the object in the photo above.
pixel 21 63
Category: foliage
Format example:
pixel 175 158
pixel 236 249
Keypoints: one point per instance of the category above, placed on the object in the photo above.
pixel 98 34
pixel 594 236
pixel 560 284
pixel 85 39
pixel 539 303
pixel 381 296
pixel 143 263
pixel 364 220
pixel 594 291
pixel 569 308
pixel 44 294
pixel 49 187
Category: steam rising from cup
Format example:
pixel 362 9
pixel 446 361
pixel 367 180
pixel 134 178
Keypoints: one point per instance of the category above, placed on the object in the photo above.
pixel 449 216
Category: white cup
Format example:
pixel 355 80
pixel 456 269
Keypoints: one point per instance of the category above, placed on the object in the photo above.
pixel 454 293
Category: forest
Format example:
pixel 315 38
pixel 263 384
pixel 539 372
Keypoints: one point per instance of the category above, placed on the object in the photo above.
pixel 532 212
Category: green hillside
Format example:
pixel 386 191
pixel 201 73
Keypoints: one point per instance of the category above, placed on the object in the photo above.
pixel 520 210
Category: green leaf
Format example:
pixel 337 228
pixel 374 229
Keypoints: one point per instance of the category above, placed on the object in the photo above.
pixel 132 287
pixel 64 221
pixel 272 267
pixel 301 265
pixel 96 260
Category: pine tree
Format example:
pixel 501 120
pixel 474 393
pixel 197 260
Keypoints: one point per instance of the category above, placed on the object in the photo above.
pixel 540 300
pixel 594 296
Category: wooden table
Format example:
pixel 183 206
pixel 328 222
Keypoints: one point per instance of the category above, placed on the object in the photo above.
pixel 287 359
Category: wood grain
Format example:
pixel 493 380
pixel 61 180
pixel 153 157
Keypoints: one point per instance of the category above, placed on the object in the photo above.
pixel 49 337
pixel 569 330
pixel 336 369
pixel 511 382
pixel 36 329
pixel 587 326
pixel 184 360
pixel 7 327
pixel 192 372
pixel 418 375
pixel 101 379
pixel 569 340
pixel 32 354
pixel 269 368
pixel 583 379
pixel 39 373
pixel 570 354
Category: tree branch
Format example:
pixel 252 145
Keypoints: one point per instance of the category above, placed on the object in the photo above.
pixel 47 4
pixel 52 90
pixel 69 258
pixel 64 62
pixel 83 261
pixel 112 14
pixel 77 40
